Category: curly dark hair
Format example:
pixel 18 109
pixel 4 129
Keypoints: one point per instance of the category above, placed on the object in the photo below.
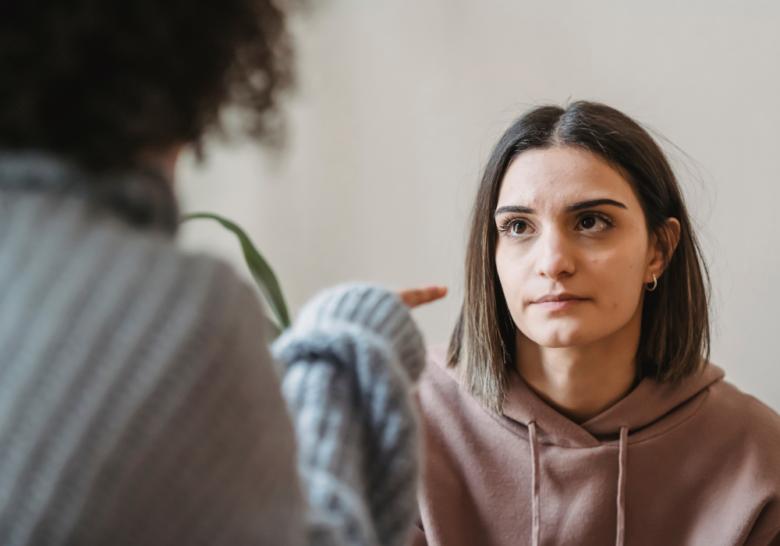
pixel 102 81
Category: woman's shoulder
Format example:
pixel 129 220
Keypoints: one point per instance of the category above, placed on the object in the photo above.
pixel 438 381
pixel 444 403
pixel 741 413
pixel 743 429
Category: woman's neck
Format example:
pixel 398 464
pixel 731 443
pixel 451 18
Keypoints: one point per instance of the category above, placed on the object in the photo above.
pixel 583 381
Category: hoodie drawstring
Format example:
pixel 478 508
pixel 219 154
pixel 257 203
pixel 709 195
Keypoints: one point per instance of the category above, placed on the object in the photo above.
pixel 536 519
pixel 621 493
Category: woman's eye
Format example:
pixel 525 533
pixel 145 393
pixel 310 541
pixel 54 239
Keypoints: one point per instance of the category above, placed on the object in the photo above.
pixel 593 223
pixel 515 228
pixel 518 228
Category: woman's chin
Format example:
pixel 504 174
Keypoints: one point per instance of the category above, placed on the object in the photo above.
pixel 560 337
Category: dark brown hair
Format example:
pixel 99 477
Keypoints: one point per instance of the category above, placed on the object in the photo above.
pixel 101 81
pixel 675 330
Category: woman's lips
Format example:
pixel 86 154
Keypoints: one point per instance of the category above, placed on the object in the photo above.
pixel 558 302
pixel 559 305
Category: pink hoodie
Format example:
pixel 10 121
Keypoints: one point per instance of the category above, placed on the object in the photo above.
pixel 692 463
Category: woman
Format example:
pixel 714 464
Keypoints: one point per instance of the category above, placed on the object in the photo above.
pixel 138 401
pixel 575 404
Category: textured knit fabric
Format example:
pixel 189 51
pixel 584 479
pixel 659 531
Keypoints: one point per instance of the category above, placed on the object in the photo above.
pixel 138 401
pixel 693 463
pixel 349 361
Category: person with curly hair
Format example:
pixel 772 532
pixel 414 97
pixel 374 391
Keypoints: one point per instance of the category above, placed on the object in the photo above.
pixel 139 403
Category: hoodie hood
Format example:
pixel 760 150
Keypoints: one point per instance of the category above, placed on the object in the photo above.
pixel 650 409
pixel 644 411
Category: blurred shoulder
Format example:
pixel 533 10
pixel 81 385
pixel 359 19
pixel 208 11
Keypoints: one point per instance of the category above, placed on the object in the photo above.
pixel 188 298
pixel 212 286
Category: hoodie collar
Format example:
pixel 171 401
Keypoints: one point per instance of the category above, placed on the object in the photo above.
pixel 142 196
pixel 651 401
pixel 647 404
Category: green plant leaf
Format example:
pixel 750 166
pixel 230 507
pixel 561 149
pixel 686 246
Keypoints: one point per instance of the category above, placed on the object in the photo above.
pixel 261 271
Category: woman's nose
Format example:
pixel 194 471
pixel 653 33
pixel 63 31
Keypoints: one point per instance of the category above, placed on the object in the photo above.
pixel 554 255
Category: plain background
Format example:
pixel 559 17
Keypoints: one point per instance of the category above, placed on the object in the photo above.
pixel 400 101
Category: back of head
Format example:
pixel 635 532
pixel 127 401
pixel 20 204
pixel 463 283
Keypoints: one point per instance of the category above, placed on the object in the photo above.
pixel 103 82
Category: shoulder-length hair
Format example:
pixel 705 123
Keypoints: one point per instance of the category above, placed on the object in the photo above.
pixel 675 333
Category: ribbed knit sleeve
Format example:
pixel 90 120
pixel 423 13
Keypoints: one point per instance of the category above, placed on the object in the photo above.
pixel 348 365
pixel 138 401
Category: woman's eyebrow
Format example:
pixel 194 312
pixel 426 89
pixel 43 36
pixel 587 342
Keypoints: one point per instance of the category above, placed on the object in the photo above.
pixel 514 208
pixel 594 203
pixel 571 208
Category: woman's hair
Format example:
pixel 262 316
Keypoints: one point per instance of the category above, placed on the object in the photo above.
pixel 675 330
pixel 101 82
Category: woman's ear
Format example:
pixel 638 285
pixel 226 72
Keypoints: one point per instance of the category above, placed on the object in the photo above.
pixel 673 230
pixel 663 247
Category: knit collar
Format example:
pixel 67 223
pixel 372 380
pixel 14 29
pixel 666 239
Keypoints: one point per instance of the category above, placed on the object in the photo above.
pixel 142 197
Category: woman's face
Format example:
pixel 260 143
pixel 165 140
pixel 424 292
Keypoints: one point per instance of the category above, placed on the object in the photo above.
pixel 573 252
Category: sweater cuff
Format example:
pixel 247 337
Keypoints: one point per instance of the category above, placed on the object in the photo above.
pixel 374 308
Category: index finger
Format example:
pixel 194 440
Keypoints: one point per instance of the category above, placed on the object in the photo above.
pixel 420 296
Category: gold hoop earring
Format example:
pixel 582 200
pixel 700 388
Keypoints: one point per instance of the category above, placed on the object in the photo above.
pixel 655 284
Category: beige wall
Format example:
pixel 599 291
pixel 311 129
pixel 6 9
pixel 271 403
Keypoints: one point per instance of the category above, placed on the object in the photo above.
pixel 400 101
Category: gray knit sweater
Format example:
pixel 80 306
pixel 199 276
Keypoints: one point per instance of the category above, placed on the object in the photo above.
pixel 140 405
